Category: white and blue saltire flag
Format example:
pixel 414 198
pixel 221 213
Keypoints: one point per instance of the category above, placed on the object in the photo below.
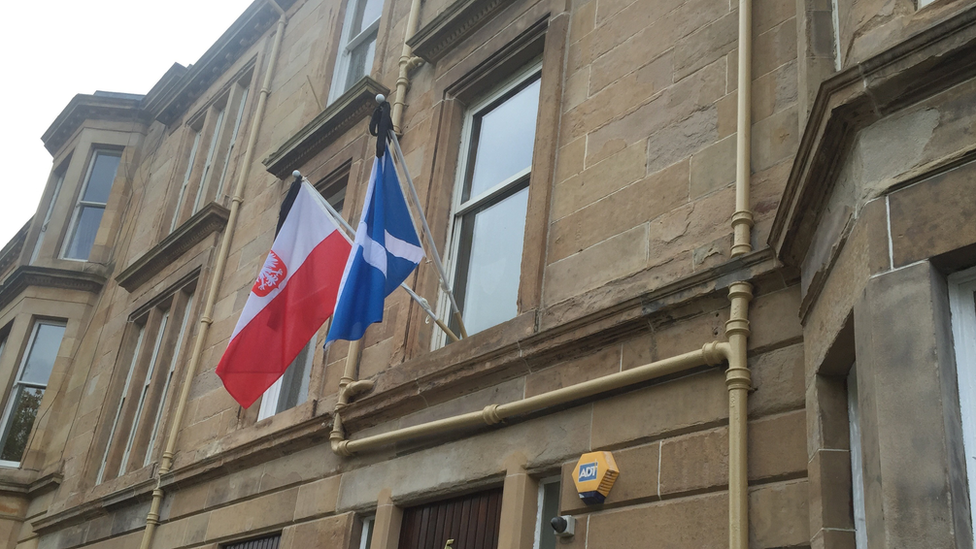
pixel 387 249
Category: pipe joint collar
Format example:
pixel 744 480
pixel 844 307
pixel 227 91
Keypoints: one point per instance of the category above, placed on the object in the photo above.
pixel 740 290
pixel 737 326
pixel 738 378
pixel 490 415
pixel 341 448
pixel 742 217
pixel 713 353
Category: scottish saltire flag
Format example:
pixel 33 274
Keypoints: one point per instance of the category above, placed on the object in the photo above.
pixel 385 252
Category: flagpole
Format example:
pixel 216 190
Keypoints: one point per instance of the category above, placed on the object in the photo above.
pixel 430 239
pixel 349 233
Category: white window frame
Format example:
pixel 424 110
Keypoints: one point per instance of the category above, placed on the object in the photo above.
pixel 8 408
pixel 144 392
pixel 857 461
pixel 81 203
pixel 461 207
pixel 539 526
pixel 346 46
pixel 50 209
pixel 184 327
pixel 962 307
pixel 366 538
pixel 186 177
pixel 269 401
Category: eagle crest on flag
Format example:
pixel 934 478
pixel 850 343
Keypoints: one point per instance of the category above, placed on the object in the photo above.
pixel 271 275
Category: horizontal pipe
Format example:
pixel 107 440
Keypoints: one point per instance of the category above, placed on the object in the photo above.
pixel 710 354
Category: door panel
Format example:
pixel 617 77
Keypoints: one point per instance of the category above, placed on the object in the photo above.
pixel 471 521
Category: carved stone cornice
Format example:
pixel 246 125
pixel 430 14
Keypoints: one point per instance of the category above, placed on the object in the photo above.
pixel 922 66
pixel 98 106
pixel 451 26
pixel 171 100
pixel 344 113
pixel 210 219
pixel 28 275
pixel 11 251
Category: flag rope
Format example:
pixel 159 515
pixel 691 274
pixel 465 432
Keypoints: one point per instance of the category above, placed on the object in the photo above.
pixel 350 233
pixel 435 257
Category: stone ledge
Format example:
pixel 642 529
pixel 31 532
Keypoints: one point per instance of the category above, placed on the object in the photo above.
pixel 47 277
pixel 336 119
pixel 928 63
pixel 99 106
pixel 451 26
pixel 212 218
pixel 93 509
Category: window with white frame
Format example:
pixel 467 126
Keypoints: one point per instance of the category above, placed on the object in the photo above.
pixel 25 395
pixel 546 510
pixel 857 462
pixel 151 354
pixel 58 181
pixel 962 305
pixel 366 538
pixel 490 202
pixel 357 44
pixel 291 389
pixel 88 211
pixel 215 133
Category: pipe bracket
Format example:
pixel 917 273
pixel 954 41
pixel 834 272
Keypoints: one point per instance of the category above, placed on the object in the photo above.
pixel 490 415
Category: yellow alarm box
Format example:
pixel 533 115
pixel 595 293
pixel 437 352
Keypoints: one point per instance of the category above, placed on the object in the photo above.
pixel 594 476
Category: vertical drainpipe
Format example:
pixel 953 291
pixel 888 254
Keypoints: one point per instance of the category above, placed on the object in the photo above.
pixel 206 319
pixel 737 378
pixel 407 63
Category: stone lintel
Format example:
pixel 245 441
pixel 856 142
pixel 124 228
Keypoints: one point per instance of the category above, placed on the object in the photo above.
pixel 47 277
pixel 98 106
pixel 451 26
pixel 344 113
pixel 90 510
pixel 170 102
pixel 210 219
pixel 11 251
pixel 926 64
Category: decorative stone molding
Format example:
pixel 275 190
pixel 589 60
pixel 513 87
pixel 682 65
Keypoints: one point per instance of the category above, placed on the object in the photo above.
pixel 98 106
pixel 46 277
pixel 451 26
pixel 11 252
pixel 172 100
pixel 348 110
pixel 210 219
pixel 926 64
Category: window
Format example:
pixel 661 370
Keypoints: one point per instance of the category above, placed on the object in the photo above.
pixel 268 542
pixel 291 389
pixel 490 202
pixel 151 355
pixel 548 509
pixel 91 205
pixel 857 465
pixel 58 181
pixel 366 540
pixel 28 388
pixel 215 134
pixel 357 44
pixel 962 304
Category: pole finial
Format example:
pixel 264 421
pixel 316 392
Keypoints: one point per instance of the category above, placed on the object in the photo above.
pixel 380 98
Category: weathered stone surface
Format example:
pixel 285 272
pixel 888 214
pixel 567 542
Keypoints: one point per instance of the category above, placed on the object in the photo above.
pixel 695 462
pixel 574 371
pixel 713 167
pixel 613 258
pixel 328 532
pixel 274 509
pixel 317 498
pixel 591 185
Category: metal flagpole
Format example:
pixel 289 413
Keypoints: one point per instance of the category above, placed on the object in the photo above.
pixel 436 258
pixel 350 234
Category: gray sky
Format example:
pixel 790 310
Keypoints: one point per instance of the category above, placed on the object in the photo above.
pixel 59 48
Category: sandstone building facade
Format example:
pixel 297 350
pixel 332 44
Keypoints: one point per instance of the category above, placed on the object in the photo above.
pixel 733 243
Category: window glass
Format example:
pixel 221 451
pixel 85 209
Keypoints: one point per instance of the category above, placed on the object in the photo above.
pixel 857 466
pixel 103 171
pixel 548 510
pixel 85 230
pixel 366 540
pixel 291 389
pixel 50 209
pixel 358 45
pixel 503 139
pixel 962 304
pixel 28 389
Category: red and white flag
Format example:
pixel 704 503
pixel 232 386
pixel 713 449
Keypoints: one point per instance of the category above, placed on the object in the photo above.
pixel 294 295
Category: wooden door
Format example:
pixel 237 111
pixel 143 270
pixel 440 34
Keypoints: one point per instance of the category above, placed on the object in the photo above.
pixel 471 521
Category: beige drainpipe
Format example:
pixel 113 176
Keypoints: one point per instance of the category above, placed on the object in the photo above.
pixel 407 63
pixel 206 318
pixel 742 218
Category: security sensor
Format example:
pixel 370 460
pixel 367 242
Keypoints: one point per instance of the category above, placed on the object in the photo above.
pixel 565 526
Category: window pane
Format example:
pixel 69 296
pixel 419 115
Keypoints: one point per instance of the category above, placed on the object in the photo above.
pixel 360 61
pixel 371 12
pixel 494 262
pixel 43 351
pixel 103 171
pixel 550 510
pixel 294 384
pixel 26 402
pixel 83 236
pixel 503 139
